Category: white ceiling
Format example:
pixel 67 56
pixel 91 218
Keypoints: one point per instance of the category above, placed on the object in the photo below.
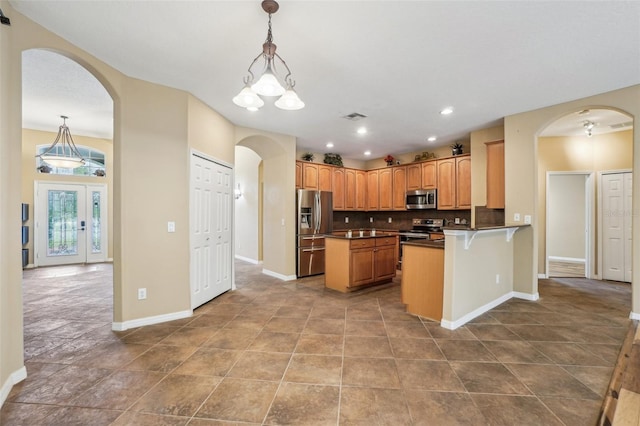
pixel 397 62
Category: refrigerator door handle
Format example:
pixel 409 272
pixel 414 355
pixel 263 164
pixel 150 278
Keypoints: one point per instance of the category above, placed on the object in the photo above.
pixel 319 212
pixel 313 249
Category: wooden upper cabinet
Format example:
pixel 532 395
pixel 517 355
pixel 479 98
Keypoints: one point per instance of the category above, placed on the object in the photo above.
pixel 350 189
pixel 361 190
pixel 454 183
pixel 310 176
pixel 399 188
pixel 463 182
pixel 337 183
pixel 385 189
pixel 373 198
pixel 495 175
pixel 446 195
pixel 429 175
pixel 414 176
pixel 325 176
pixel 298 175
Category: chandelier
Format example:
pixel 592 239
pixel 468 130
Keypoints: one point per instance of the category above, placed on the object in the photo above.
pixel 63 152
pixel 267 84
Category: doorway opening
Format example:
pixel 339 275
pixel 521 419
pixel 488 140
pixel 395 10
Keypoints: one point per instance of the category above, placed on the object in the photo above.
pixel 575 152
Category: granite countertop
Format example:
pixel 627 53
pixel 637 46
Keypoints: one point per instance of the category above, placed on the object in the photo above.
pixel 426 243
pixel 356 235
pixel 484 228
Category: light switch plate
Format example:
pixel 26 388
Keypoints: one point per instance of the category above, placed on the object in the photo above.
pixel 516 217
pixel 346 219
pixel 171 227
pixel 527 219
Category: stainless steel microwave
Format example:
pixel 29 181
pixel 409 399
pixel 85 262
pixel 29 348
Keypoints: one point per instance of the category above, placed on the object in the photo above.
pixel 421 199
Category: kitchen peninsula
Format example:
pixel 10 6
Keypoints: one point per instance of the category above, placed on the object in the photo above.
pixel 361 259
pixel 461 278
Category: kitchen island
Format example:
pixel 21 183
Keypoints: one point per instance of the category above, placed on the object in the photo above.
pixel 351 263
pixel 460 279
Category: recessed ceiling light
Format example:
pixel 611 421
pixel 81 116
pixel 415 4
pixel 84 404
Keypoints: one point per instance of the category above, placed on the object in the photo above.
pixel 252 109
pixel 431 139
pixel 447 111
pixel 329 144
pixel 362 131
pixel 367 153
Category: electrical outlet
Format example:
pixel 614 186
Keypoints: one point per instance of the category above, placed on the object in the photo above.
pixel 371 220
pixel 497 278
pixel 390 220
pixel 516 217
pixel 171 227
pixel 527 219
pixel 346 219
pixel 142 293
pixel 456 221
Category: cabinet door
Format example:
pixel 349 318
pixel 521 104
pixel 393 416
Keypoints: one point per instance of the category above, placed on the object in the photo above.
pixel 463 183
pixel 385 189
pixel 361 190
pixel 384 259
pixel 298 175
pixel 414 176
pixel 446 184
pixel 399 188
pixel 373 197
pixel 495 175
pixel 362 267
pixel 429 175
pixel 325 176
pixel 309 176
pixel 337 185
pixel 350 189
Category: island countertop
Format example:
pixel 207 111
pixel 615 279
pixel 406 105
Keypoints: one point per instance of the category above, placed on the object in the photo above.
pixel 355 235
pixel 484 228
pixel 425 243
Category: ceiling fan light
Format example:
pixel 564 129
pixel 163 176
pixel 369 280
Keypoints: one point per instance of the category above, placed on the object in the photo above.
pixel 289 101
pixel 248 98
pixel 268 84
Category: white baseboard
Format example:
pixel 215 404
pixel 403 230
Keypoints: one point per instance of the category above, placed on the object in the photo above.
pixel 247 259
pixel 542 276
pixel 279 276
pixel 568 259
pixel 452 325
pixel 15 377
pixel 526 296
pixel 634 315
pixel 122 326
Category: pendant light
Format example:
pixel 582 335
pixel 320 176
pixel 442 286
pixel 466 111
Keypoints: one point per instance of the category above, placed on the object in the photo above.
pixel 268 84
pixel 63 152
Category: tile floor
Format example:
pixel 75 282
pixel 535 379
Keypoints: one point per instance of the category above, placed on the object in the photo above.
pixel 294 353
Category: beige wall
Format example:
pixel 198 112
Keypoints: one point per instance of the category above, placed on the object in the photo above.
pixel 521 178
pixel 30 140
pixel 612 151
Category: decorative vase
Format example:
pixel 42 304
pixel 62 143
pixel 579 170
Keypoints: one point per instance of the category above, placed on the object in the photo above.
pixel 389 163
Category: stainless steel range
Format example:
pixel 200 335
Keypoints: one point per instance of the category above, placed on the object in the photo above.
pixel 423 229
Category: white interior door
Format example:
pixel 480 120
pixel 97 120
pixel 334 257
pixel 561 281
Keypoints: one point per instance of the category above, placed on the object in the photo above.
pixel 71 221
pixel 616 226
pixel 211 212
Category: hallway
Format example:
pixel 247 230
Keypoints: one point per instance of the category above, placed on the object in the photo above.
pixel 276 352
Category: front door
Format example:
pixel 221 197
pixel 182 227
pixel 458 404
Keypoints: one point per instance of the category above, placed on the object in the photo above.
pixel 211 212
pixel 70 224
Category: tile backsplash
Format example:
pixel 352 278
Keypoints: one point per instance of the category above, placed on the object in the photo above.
pixel 399 219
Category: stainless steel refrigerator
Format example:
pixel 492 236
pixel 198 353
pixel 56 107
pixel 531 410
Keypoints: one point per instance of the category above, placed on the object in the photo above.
pixel 315 219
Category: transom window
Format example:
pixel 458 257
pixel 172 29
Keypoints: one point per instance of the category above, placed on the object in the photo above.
pixel 94 164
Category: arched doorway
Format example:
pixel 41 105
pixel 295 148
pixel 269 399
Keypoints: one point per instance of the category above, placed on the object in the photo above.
pixel 54 85
pixel 575 154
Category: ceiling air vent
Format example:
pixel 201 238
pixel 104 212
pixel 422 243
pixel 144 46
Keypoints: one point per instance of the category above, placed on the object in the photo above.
pixel 355 116
pixel 621 125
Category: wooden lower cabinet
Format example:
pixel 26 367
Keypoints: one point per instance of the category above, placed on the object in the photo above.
pixel 352 263
pixel 421 291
